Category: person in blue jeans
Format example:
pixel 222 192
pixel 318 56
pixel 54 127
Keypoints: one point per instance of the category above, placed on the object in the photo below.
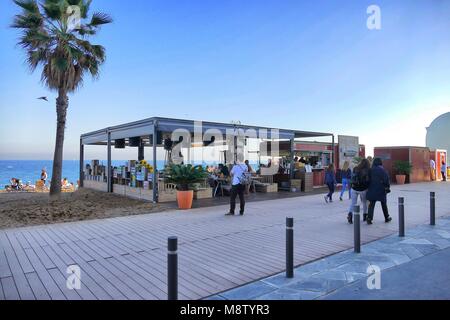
pixel 346 178
pixel 330 181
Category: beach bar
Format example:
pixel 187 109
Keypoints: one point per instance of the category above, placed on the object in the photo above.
pixel 175 136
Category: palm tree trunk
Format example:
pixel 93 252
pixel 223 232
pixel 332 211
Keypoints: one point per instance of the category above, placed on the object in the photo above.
pixel 62 103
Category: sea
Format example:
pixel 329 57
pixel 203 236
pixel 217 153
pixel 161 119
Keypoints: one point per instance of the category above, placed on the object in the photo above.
pixel 30 170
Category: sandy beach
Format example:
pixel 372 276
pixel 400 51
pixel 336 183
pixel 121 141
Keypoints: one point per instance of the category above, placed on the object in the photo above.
pixel 27 209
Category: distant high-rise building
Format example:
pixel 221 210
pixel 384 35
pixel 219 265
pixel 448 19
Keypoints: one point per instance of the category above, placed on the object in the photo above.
pixel 438 133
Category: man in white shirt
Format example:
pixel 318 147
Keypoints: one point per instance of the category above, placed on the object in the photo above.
pixel 433 170
pixel 237 188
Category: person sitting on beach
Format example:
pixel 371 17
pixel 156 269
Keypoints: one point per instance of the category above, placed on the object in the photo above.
pixel 29 187
pixel 65 183
pixel 14 184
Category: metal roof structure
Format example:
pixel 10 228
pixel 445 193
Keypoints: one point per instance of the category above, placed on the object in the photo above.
pixel 146 127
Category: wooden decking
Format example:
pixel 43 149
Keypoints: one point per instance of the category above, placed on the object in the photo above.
pixel 125 258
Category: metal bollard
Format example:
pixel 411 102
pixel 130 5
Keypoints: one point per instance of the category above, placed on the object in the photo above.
pixel 172 268
pixel 357 228
pixel 401 217
pixel 432 208
pixel 289 247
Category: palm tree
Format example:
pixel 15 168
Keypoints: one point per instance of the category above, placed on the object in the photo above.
pixel 55 36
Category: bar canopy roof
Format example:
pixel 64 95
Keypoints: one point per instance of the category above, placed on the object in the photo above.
pixel 146 127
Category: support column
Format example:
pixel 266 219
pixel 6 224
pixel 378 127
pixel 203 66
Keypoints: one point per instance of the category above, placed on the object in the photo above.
pixel 333 153
pixel 292 166
pixel 108 169
pixel 81 164
pixel 141 155
pixel 155 173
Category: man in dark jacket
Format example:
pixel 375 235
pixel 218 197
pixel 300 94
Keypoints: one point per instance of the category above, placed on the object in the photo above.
pixel 378 188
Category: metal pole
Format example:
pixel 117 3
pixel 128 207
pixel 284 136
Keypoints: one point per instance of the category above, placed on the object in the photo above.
pixel 357 228
pixel 141 155
pixel 289 247
pixel 432 208
pixel 108 169
pixel 401 217
pixel 155 172
pixel 292 166
pixel 81 163
pixel 333 153
pixel 172 268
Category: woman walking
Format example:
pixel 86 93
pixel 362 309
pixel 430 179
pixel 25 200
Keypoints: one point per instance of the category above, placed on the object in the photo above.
pixel 346 177
pixel 379 187
pixel 330 181
pixel 359 183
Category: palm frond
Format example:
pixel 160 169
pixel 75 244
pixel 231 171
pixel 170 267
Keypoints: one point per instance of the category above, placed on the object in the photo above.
pixel 99 19
pixel 29 6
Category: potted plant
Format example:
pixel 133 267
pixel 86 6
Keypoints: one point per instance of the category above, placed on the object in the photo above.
pixel 402 169
pixel 184 176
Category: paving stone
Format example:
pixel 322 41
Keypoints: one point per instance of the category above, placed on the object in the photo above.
pixel 444 234
pixel 441 243
pixel 318 285
pixel 383 265
pixel 280 280
pixel 416 242
pixel 331 275
pixel 340 258
pixel 427 249
pixel 399 258
pixel 355 276
pixel 411 251
pixel 248 292
pixel 357 266
pixel 216 297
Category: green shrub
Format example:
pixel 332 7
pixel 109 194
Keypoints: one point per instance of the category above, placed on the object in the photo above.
pixel 403 167
pixel 185 175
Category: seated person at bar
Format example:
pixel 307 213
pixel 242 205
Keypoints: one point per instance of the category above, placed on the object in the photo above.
pixel 308 167
pixel 299 165
pixel 224 170
pixel 249 167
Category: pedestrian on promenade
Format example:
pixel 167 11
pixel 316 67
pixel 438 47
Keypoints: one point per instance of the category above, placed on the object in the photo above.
pixel 346 177
pixel 379 187
pixel 359 183
pixel 330 181
pixel 370 160
pixel 433 170
pixel 444 170
pixel 239 175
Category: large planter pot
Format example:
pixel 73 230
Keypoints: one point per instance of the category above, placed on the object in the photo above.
pixel 184 199
pixel 400 178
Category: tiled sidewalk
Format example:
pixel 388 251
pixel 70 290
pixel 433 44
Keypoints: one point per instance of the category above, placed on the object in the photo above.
pixel 320 278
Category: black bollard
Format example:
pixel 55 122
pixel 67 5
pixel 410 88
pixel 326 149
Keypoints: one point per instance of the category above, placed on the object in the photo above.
pixel 432 208
pixel 401 217
pixel 172 268
pixel 289 247
pixel 357 228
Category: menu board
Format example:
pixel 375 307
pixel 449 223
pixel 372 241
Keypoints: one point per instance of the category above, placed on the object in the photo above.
pixel 348 149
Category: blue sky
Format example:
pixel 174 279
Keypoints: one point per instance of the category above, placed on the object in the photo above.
pixel 293 64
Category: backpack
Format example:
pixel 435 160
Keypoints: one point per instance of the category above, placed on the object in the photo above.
pixel 245 178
